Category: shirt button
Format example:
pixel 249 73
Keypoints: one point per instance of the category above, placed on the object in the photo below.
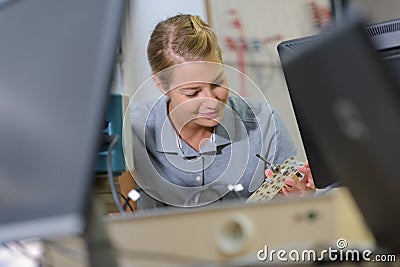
pixel 198 178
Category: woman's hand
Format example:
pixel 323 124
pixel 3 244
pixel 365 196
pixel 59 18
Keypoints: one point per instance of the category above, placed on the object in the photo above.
pixel 300 188
pixel 293 186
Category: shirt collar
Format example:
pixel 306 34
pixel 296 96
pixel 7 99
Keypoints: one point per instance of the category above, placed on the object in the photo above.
pixel 165 133
pixel 225 130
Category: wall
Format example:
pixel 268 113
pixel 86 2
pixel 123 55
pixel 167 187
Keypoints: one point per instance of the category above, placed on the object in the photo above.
pixel 143 16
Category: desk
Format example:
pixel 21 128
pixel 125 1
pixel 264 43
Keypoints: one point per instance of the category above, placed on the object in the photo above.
pixel 235 232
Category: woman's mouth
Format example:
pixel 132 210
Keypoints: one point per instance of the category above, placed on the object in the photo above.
pixel 210 115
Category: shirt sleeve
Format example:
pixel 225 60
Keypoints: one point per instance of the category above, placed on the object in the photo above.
pixel 281 145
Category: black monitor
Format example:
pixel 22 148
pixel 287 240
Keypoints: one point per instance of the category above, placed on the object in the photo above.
pixel 323 176
pixel 385 37
pixel 56 63
pixel 350 105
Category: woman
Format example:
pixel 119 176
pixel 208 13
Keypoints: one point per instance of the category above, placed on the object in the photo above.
pixel 197 144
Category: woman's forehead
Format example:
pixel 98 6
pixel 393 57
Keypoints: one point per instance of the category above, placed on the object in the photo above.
pixel 195 72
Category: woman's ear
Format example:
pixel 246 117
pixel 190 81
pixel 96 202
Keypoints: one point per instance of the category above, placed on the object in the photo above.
pixel 159 84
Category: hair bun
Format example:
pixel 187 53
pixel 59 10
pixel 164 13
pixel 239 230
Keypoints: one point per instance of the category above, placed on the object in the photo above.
pixel 197 24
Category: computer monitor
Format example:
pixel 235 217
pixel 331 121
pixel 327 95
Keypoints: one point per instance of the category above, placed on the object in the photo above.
pixel 56 64
pixel 350 104
pixel 323 176
pixel 385 37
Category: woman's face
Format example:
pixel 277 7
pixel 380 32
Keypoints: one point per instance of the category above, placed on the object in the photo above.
pixel 198 94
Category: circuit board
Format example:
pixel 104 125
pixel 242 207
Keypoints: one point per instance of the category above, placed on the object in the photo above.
pixel 272 185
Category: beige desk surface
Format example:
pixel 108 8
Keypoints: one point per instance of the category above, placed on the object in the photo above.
pixel 230 234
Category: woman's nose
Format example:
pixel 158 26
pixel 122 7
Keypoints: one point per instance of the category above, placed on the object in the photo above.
pixel 210 100
pixel 208 92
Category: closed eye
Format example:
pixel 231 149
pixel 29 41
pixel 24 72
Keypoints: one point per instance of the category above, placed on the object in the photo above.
pixel 191 94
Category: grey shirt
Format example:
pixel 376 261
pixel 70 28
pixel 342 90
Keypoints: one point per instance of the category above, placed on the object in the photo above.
pixel 170 172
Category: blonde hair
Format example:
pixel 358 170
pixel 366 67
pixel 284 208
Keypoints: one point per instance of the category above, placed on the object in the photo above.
pixel 179 39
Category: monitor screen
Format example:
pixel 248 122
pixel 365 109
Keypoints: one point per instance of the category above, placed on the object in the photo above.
pixel 349 103
pixel 56 64
pixel 385 38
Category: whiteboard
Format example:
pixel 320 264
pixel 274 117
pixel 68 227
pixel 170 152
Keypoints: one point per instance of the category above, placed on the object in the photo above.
pixel 249 31
pixel 259 25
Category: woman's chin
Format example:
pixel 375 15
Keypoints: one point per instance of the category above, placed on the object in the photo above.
pixel 207 122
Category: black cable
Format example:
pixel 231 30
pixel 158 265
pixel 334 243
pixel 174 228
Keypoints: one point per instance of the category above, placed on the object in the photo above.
pixel 126 203
pixel 111 176
pixel 203 178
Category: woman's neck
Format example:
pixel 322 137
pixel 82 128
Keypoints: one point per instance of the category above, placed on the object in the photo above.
pixel 194 135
